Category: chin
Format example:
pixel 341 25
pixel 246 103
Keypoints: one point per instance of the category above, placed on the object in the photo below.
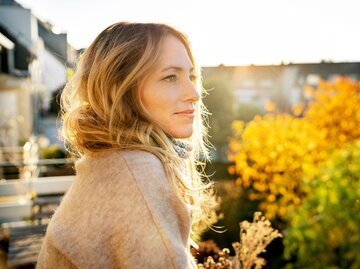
pixel 183 133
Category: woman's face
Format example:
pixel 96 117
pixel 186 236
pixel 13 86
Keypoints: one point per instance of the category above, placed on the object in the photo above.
pixel 169 93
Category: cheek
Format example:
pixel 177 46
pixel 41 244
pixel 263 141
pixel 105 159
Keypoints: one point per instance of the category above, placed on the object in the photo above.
pixel 160 101
pixel 160 107
pixel 161 110
pixel 154 104
pixel 161 104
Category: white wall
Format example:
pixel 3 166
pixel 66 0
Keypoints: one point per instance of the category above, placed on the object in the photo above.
pixel 8 114
pixel 15 109
pixel 20 23
pixel 47 72
pixel 288 84
pixel 54 74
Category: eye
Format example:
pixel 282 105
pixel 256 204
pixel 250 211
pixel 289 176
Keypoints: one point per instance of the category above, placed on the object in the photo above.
pixel 193 77
pixel 170 78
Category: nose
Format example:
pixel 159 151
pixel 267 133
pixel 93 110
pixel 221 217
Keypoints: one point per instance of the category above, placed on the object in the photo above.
pixel 191 93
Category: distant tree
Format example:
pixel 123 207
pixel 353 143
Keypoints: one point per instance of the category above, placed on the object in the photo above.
pixel 327 224
pixel 220 102
pixel 335 108
pixel 55 102
pixel 56 95
pixel 246 112
pixel 275 153
pixel 270 155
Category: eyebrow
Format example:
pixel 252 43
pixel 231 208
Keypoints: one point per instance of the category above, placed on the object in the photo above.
pixel 177 68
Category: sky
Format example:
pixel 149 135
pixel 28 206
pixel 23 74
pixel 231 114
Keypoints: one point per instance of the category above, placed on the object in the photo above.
pixel 229 32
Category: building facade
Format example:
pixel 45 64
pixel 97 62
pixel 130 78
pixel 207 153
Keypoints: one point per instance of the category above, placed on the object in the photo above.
pixel 282 84
pixel 34 64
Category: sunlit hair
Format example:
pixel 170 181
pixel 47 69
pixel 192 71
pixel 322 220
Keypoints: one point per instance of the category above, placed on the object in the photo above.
pixel 102 110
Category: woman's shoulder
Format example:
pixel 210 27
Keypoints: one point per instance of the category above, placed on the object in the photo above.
pixel 137 158
pixel 133 159
pixel 144 166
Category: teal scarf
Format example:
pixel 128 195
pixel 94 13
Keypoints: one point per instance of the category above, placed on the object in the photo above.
pixel 182 148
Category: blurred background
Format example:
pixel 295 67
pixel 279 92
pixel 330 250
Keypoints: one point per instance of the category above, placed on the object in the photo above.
pixel 284 97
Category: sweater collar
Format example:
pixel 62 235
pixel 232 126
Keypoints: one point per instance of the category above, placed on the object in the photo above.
pixel 182 148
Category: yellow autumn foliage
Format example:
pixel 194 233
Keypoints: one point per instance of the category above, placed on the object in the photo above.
pixel 268 155
pixel 335 108
pixel 274 153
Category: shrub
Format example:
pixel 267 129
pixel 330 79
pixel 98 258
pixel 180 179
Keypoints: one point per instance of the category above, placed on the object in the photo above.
pixel 327 224
pixel 254 238
pixel 273 154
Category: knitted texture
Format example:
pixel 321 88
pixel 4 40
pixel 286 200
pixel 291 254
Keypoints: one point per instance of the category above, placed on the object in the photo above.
pixel 120 212
pixel 182 148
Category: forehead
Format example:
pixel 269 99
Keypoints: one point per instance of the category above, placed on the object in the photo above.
pixel 173 53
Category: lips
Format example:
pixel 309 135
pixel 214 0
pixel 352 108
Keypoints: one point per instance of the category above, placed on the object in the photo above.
pixel 186 112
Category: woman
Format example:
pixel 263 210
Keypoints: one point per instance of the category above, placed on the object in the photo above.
pixel 133 113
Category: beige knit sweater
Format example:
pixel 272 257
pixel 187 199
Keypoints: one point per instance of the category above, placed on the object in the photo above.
pixel 120 212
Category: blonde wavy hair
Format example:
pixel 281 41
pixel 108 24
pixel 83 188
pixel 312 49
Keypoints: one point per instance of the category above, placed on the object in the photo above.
pixel 102 110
